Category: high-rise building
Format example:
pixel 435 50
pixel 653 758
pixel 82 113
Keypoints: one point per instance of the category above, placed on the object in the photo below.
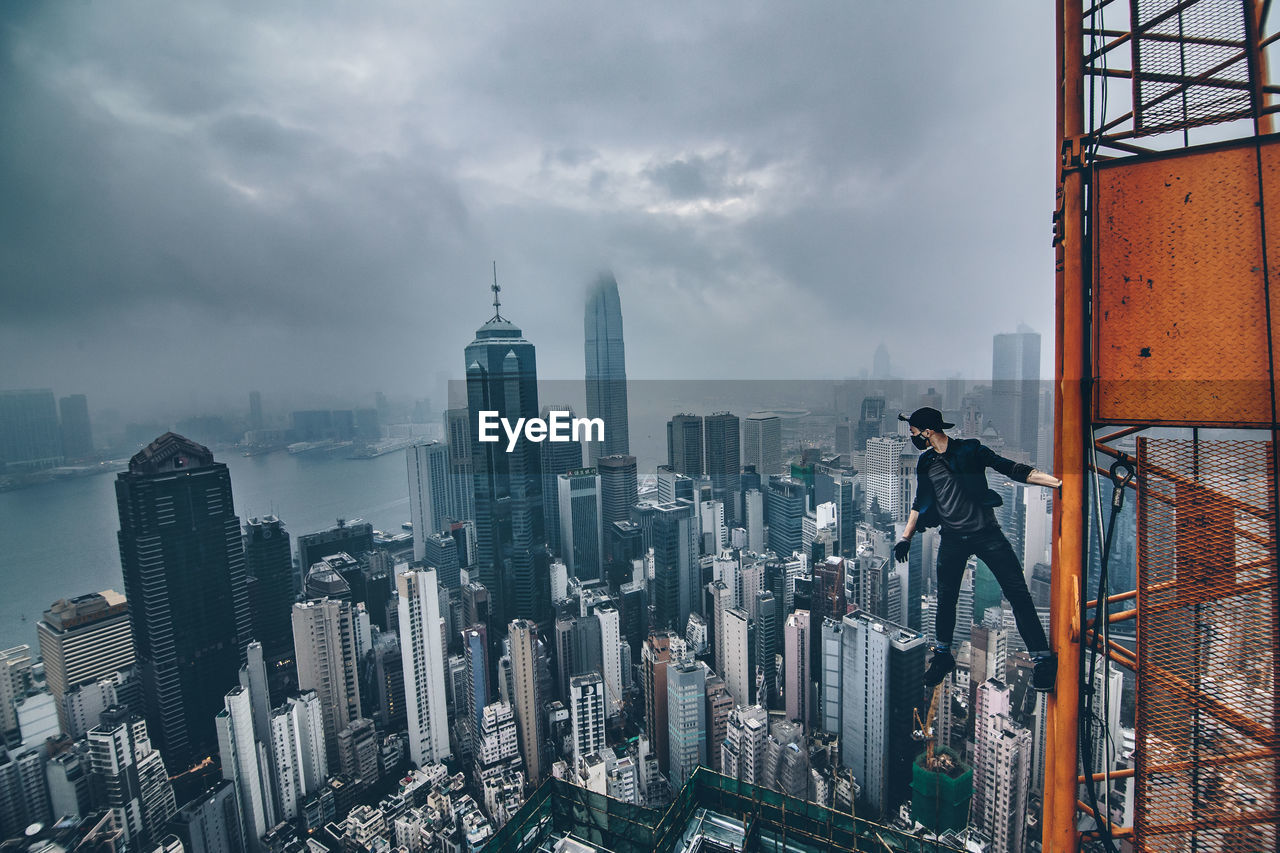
pixel 673 486
pixel 586 712
pixel 301 763
pixel 528 700
pixel 882 667
pixel 766 650
pixel 77 435
pixel 422 647
pixel 719 703
pixel 558 457
pixel 502 378
pixel 829 677
pixel 742 756
pixel 211 822
pixel 724 463
pixel 475 653
pixel 1001 770
pixel 785 510
pixel 29 430
pixel 185 579
pixel 581 535
pixel 686 719
pixel 462 496
pixel 1015 388
pixel 324 638
pixel 677 577
pixel 358 752
pixel 737 675
pixel 762 443
pixel 887 487
pixel 654 658
pixel 611 661
pixel 684 445
pixel 619 487
pixel 82 640
pixel 246 762
pixel 269 563
pixel 342 538
pixel 428 468
pixel 138 791
pixel 796 666
pixel 606 368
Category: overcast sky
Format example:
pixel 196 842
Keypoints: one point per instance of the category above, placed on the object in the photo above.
pixel 201 198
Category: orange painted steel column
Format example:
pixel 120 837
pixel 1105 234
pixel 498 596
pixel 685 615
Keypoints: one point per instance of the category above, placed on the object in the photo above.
pixel 1072 418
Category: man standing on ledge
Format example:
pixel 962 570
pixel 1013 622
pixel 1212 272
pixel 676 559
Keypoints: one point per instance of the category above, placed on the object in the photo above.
pixel 951 491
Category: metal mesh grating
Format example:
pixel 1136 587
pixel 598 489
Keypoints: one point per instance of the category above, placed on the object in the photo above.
pixel 1207 754
pixel 1190 63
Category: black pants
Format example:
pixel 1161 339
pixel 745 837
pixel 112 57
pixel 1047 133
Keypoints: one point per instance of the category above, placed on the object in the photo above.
pixel 993 549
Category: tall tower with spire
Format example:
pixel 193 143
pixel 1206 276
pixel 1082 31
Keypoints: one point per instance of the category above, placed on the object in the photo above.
pixel 606 368
pixel 511 545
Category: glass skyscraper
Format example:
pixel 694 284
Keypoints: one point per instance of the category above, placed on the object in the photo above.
pixel 606 368
pixel 185 579
pixel 502 377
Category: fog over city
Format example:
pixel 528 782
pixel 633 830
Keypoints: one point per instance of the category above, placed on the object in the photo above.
pixel 305 197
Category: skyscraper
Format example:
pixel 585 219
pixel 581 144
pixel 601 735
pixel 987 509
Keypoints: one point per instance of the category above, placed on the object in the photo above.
pixel 1015 388
pixel 606 368
pixel 185 579
pixel 677 577
pixel 29 430
pixel 882 665
pixel 247 764
pixel 1001 769
pixel 619 487
pixel 82 640
pixel 724 463
pixel 581 536
pixel 797 666
pixel 684 445
pixel 77 435
pixel 686 719
pixel 655 656
pixel 428 468
pixel 138 790
pixel 558 457
pixel 762 443
pixel 528 699
pixel 586 712
pixel 462 496
pixel 301 763
pixel 502 377
pixel 785 510
pixel 324 637
pixel 737 675
pixel 886 486
pixel 269 563
pixel 423 649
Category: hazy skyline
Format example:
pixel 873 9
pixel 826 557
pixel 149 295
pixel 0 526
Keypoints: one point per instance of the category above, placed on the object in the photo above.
pixel 207 198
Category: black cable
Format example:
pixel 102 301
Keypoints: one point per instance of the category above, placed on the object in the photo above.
pixel 1101 612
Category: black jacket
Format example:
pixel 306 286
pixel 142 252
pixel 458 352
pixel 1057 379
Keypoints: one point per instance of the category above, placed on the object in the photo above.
pixel 969 460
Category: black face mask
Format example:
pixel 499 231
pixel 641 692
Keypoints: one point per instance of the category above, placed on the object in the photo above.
pixel 919 441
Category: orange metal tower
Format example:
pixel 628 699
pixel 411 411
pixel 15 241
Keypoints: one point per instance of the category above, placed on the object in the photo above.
pixel 1167 235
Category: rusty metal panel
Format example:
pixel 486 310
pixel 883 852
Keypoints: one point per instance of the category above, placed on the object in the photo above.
pixel 1179 295
pixel 1207 757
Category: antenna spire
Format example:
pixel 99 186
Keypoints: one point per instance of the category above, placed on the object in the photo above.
pixel 497 301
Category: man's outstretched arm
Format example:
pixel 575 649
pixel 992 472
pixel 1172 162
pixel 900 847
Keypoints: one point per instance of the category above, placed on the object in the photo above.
pixel 1040 478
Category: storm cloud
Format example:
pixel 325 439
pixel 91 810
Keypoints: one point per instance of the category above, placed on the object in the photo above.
pixel 203 198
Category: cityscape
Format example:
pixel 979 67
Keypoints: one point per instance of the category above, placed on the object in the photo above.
pixel 639 428
pixel 546 609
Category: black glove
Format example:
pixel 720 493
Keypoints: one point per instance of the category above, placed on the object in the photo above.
pixel 902 550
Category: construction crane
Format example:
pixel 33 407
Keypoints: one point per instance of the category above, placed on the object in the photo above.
pixel 1166 235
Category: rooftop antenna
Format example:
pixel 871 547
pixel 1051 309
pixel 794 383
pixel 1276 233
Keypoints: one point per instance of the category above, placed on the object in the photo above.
pixel 497 302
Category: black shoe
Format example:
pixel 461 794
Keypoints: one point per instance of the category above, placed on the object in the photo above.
pixel 1045 674
pixel 939 667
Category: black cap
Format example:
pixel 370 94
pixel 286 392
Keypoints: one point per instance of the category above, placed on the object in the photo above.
pixel 926 417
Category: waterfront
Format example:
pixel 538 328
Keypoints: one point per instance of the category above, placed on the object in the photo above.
pixel 60 537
